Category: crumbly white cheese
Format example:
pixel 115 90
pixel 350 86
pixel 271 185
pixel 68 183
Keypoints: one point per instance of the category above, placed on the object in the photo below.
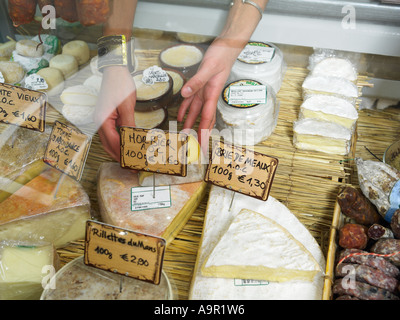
pixel 78 115
pixel 219 216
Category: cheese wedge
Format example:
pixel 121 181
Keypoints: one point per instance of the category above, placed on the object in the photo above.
pixel 195 169
pixel 23 268
pixel 322 136
pixel 256 247
pixel 331 109
pixel 114 194
pixel 46 210
pixel 221 212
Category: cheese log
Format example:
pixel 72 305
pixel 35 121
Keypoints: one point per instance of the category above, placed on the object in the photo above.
pixel 322 136
pixel 23 267
pixel 40 211
pixel 114 195
pixel 219 215
pixel 331 109
pixel 256 247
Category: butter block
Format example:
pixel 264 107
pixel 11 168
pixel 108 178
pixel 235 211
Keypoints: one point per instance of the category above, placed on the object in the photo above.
pixel 221 212
pixel 23 268
pixel 322 136
pixel 331 109
pixel 114 194
pixel 255 247
pixel 40 211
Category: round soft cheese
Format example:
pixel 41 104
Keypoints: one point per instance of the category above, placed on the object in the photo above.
pixel 149 92
pixel 78 115
pixel 66 63
pixel 335 67
pixel 79 49
pixel 12 71
pixel 94 81
pixel 54 79
pixel 182 56
pixel 29 48
pixel 79 95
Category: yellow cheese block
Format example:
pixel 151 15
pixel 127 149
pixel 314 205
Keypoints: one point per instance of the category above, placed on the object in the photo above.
pixel 46 210
pixel 114 194
pixel 23 269
pixel 255 247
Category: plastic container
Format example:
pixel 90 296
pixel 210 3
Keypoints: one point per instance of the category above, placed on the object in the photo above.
pixel 77 281
pixel 260 61
pixel 250 121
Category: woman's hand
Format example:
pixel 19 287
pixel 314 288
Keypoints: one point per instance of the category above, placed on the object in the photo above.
pixel 115 107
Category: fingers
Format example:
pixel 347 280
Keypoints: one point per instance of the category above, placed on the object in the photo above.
pixel 110 139
pixel 195 109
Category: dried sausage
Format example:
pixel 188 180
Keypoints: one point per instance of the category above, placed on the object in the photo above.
pixel 389 247
pixel 92 12
pixel 21 11
pixel 369 275
pixel 377 231
pixel 395 224
pixel 66 9
pixel 355 205
pixel 364 257
pixel 361 290
pixel 353 235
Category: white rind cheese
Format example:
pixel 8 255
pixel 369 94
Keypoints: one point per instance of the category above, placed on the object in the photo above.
pixel 335 67
pixel 217 220
pixel 256 247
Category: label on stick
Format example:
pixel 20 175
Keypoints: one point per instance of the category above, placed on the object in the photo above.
pixel 241 170
pixel 125 252
pixel 154 150
pixel 67 150
pixel 23 107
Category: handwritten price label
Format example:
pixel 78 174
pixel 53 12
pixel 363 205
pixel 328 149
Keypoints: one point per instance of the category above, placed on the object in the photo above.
pixel 125 252
pixel 154 150
pixel 22 107
pixel 67 150
pixel 241 170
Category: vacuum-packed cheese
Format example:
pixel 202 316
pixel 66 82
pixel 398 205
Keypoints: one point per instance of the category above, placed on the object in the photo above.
pixel 52 207
pixel 322 136
pixel 335 67
pixel 221 212
pixel 329 108
pixel 115 192
pixel 255 247
pixel 24 268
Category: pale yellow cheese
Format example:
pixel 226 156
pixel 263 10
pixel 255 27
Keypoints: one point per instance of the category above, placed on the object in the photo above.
pixel 115 192
pixel 79 49
pixel 24 268
pixel 46 210
pixel 255 247
pixel 149 120
pixel 7 48
pixel 148 92
pixel 182 56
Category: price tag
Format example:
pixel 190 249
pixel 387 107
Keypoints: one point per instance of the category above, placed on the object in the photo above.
pixel 125 252
pixel 247 95
pixel 23 107
pixel 257 52
pixel 145 198
pixel 154 74
pixel 241 170
pixel 67 150
pixel 35 82
pixel 154 150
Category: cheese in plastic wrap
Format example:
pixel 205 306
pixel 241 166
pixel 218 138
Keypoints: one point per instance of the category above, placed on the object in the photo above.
pixel 25 269
pixel 114 195
pixel 52 207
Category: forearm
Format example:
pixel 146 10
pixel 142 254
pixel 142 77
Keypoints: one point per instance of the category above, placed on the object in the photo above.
pixel 121 19
pixel 242 20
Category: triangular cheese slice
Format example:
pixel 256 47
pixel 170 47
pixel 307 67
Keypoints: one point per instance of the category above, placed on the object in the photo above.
pixel 256 247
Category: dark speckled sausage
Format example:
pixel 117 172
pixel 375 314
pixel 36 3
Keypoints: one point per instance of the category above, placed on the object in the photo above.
pixel 66 9
pixel 370 260
pixel 388 247
pixel 353 235
pixel 361 290
pixel 92 12
pixel 369 275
